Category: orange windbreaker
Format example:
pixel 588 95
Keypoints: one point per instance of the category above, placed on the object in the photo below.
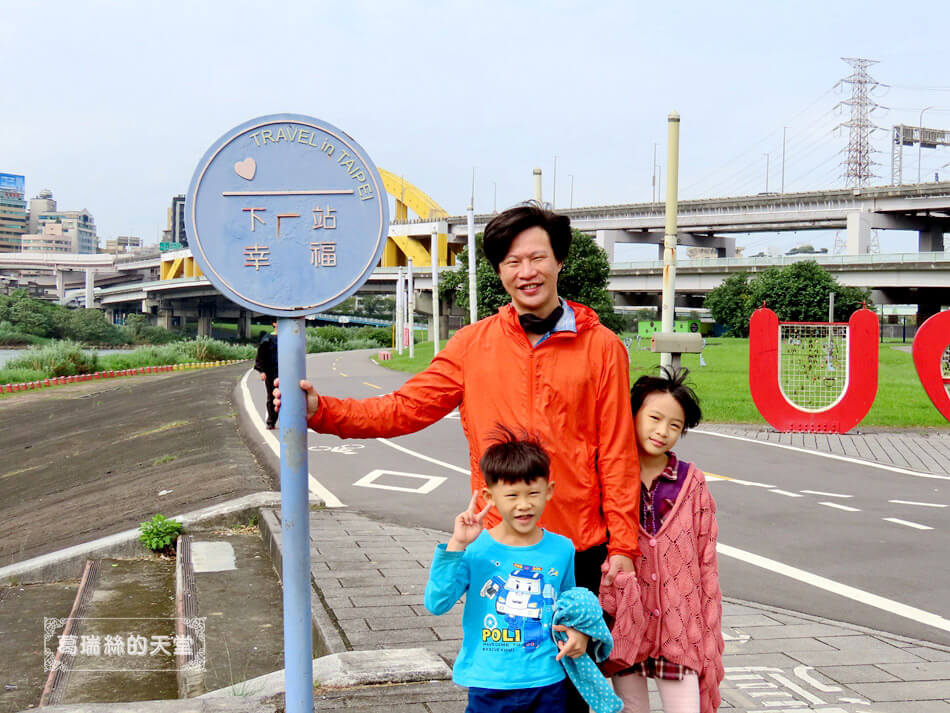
pixel 572 391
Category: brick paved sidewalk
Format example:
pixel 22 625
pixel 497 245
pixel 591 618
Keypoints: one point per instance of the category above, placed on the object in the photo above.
pixel 371 577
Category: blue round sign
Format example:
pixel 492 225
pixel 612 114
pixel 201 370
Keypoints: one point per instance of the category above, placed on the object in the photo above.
pixel 286 215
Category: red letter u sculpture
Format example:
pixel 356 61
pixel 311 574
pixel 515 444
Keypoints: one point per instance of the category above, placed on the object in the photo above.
pixel 859 381
pixel 931 341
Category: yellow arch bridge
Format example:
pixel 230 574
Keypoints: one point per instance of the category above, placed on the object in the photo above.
pixel 399 248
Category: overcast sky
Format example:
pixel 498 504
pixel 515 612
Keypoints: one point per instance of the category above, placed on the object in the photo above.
pixel 110 104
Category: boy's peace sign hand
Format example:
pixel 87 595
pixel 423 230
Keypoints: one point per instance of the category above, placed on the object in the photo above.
pixel 468 526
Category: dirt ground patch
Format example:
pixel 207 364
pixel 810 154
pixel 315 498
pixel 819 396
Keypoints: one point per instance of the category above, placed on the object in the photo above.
pixel 88 460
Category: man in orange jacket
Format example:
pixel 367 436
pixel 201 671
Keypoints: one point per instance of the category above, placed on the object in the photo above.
pixel 543 365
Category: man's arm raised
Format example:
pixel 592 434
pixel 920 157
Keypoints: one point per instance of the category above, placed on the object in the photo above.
pixel 421 401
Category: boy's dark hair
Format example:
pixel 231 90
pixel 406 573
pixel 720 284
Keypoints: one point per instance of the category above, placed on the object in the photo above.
pixel 508 225
pixel 671 382
pixel 514 459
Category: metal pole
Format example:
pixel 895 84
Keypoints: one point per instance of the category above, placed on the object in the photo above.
pixel 537 184
pixel 472 260
pixel 669 238
pixel 554 190
pixel 295 519
pixel 766 173
pixel 572 190
pixel 435 288
pixel 784 130
pixel 400 291
pixel 494 200
pixel 920 138
pixel 411 309
pixel 653 186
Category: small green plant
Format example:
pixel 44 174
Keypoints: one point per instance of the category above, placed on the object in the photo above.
pixel 164 459
pixel 159 533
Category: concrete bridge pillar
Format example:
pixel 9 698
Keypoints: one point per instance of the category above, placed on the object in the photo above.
pixel 859 233
pixel 90 287
pixel 244 325
pixel 930 240
pixel 165 314
pixel 205 316
pixel 60 285
pixel 607 239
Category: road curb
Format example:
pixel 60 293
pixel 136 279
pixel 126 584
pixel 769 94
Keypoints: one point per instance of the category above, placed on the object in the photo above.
pixel 68 563
pixel 111 373
pixel 328 639
pixel 857 628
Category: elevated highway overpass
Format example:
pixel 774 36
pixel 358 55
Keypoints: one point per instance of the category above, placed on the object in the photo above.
pixel 170 286
pixel 902 278
pixel 713 222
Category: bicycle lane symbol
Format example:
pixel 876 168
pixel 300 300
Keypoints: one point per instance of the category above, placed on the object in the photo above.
pixel 346 449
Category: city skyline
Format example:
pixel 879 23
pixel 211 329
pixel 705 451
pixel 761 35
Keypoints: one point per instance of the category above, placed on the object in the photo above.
pixel 115 114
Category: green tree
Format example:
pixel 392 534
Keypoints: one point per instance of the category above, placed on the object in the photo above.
pixel 583 279
pixel 32 316
pixel 731 304
pixel 796 293
pixel 91 327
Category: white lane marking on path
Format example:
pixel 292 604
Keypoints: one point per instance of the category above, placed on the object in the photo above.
pixel 387 442
pixel 778 491
pixel 432 481
pixel 923 505
pixel 802 673
pixel 829 585
pixel 838 506
pixel 314 486
pixel 714 476
pixel 834 456
pixel 825 495
pixel 906 523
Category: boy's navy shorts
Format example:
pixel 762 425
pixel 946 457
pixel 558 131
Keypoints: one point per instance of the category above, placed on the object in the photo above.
pixel 543 699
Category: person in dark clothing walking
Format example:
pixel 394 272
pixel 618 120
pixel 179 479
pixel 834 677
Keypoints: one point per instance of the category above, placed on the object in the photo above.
pixel 266 363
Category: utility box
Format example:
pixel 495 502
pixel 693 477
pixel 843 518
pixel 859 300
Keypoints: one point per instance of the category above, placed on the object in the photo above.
pixel 676 343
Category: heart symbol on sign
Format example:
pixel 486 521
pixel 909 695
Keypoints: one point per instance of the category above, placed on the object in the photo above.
pixel 246 168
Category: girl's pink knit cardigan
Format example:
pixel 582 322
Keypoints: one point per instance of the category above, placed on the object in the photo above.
pixel 672 606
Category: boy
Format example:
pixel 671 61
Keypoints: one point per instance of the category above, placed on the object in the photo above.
pixel 511 576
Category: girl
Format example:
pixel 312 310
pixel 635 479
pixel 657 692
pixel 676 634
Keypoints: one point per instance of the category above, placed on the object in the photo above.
pixel 666 617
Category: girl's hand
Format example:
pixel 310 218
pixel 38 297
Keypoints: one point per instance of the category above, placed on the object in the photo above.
pixel 576 643
pixel 468 526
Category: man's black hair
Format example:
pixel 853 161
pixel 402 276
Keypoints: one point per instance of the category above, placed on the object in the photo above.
pixel 508 225
pixel 513 458
pixel 670 382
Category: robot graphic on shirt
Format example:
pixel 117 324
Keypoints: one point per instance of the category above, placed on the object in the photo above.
pixel 526 603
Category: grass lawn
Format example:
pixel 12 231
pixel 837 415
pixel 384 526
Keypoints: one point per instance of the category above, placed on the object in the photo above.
pixel 723 384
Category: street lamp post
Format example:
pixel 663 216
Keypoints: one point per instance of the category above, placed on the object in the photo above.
pixel 766 173
pixel 572 190
pixel 920 138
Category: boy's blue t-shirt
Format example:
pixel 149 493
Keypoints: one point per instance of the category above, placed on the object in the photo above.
pixel 509 603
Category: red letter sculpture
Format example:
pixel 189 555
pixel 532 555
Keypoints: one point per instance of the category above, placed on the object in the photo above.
pixel 860 381
pixel 931 341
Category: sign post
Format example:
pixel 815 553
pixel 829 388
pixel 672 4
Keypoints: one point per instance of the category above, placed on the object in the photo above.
pixel 287 216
